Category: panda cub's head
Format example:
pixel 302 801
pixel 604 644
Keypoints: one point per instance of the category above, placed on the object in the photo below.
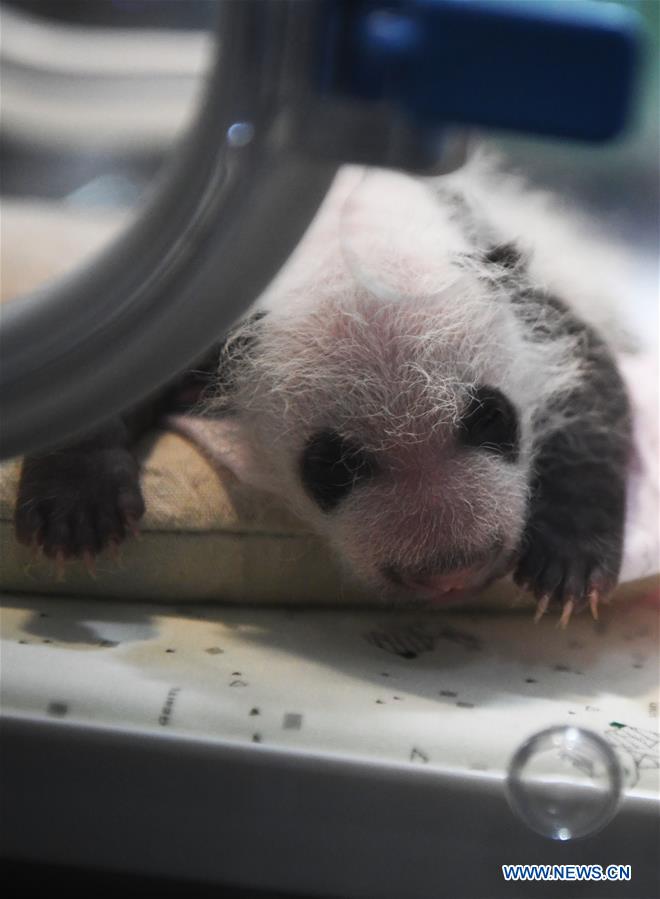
pixel 396 423
pixel 395 429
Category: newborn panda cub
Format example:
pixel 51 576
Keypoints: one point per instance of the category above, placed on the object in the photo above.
pixel 429 384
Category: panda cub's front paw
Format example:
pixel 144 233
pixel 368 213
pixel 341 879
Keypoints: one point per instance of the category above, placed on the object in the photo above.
pixel 73 504
pixel 568 570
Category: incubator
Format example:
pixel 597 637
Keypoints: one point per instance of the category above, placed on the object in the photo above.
pixel 219 706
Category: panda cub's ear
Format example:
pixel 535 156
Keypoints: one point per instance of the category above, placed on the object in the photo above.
pixel 237 345
pixel 507 256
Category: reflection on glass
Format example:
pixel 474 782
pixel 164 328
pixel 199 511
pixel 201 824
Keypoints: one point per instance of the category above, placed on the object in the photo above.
pixel 94 98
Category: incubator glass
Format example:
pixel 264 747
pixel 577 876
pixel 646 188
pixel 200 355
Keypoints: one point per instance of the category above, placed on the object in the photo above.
pixel 306 741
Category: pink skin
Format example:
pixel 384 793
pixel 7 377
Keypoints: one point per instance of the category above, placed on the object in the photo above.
pixel 415 560
pixel 454 586
pixel 444 588
pixel 450 587
pixel 437 525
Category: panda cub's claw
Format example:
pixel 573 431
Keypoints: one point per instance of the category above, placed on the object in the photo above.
pixel 75 504
pixel 571 585
pixel 541 607
pixel 566 612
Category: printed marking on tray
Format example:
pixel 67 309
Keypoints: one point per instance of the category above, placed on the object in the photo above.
pixel 292 721
pixel 463 638
pixel 416 755
pixel 407 643
pixel 566 669
pixel 637 745
pixel 166 711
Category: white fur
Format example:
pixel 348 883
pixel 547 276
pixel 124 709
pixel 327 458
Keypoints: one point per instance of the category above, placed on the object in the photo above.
pixel 381 324
pixel 567 253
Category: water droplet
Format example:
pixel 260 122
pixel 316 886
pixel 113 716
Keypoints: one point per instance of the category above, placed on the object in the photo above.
pixel 240 134
pixel 565 782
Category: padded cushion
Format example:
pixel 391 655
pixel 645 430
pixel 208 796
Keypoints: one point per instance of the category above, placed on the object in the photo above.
pixel 206 536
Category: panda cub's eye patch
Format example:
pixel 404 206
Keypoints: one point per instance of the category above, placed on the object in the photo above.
pixel 330 466
pixel 490 422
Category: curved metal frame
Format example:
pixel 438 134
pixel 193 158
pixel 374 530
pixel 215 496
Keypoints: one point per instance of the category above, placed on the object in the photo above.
pixel 187 267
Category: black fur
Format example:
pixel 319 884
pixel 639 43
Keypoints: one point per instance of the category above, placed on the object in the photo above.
pixel 506 255
pixel 573 539
pixel 77 499
pixel 574 533
pixel 331 466
pixel 490 423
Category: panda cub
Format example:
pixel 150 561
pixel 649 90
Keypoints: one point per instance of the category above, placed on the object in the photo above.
pixel 430 383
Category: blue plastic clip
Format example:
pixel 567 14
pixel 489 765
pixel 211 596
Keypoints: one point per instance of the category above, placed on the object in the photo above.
pixel 565 69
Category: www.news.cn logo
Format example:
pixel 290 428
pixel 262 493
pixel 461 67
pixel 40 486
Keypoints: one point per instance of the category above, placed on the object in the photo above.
pixel 566 872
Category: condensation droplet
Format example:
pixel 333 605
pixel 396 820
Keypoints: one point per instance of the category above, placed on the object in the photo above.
pixel 565 782
pixel 240 134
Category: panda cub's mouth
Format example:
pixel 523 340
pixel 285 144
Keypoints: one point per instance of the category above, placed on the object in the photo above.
pixel 331 466
pixel 446 582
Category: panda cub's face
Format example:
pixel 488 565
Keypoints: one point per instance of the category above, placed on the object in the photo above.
pixel 395 429
pixel 389 391
pixel 434 519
